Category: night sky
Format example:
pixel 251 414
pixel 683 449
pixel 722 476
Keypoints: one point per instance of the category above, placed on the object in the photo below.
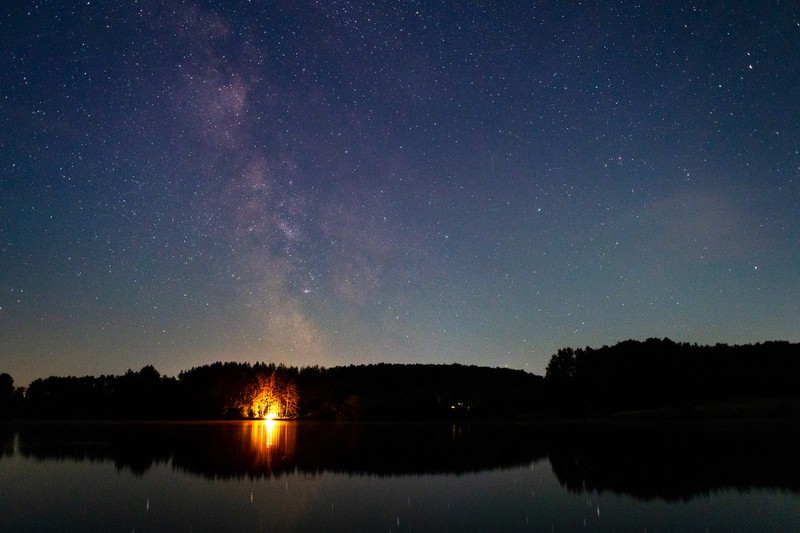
pixel 337 182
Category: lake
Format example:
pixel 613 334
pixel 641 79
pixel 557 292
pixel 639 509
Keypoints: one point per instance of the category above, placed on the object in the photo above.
pixel 336 476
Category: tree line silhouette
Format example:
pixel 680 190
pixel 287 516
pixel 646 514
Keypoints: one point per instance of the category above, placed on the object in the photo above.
pixel 660 373
pixel 240 390
pixel 656 376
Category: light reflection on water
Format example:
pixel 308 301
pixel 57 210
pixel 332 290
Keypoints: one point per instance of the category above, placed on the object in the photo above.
pixel 270 440
pixel 289 476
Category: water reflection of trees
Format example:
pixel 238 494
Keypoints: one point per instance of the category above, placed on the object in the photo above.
pixel 678 460
pixel 668 460
pixel 269 448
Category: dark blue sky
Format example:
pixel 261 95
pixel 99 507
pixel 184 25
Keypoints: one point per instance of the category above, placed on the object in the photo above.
pixel 349 182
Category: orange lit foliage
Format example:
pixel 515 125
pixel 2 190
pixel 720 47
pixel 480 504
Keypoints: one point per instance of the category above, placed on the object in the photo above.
pixel 271 395
pixel 233 390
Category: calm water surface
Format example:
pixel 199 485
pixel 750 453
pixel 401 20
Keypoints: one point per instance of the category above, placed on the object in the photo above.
pixel 302 476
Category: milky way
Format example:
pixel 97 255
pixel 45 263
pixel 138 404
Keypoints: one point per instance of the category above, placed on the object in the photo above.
pixel 325 183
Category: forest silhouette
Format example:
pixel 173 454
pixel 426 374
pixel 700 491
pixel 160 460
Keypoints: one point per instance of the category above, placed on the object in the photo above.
pixel 653 378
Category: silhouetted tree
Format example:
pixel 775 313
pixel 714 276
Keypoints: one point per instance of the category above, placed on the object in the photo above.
pixel 6 395
pixel 562 365
pixel 635 375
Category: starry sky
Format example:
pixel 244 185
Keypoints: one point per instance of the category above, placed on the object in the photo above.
pixel 336 182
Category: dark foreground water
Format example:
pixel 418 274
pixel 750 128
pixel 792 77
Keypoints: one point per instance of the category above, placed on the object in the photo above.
pixel 303 476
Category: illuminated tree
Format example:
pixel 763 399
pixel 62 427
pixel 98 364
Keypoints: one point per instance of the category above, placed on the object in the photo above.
pixel 289 400
pixel 265 398
pixel 272 395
